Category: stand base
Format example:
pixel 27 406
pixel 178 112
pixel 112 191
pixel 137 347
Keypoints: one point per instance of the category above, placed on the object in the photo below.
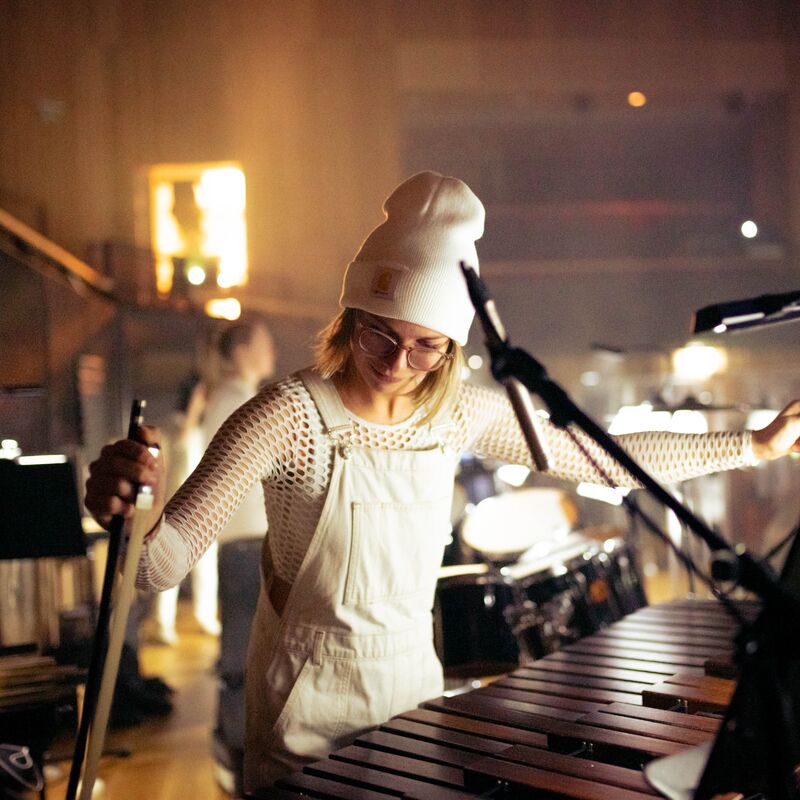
pixel 677 777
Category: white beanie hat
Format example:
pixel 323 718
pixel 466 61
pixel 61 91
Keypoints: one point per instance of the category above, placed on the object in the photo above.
pixel 408 268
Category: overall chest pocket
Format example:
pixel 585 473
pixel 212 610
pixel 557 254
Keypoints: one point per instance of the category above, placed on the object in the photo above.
pixel 395 550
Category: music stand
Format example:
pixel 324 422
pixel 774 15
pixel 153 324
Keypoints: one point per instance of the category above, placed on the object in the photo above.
pixel 747 752
pixel 758 737
pixel 41 515
pixel 790 571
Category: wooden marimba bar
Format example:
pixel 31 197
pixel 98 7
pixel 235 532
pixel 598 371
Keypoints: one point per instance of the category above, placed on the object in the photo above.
pixel 579 723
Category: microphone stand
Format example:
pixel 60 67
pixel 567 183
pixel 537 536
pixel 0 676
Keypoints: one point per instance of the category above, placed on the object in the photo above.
pixel 768 649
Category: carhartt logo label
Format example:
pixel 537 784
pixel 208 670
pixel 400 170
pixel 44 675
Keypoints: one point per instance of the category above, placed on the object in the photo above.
pixel 385 282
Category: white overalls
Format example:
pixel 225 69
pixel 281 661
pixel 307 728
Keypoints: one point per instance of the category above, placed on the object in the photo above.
pixel 354 645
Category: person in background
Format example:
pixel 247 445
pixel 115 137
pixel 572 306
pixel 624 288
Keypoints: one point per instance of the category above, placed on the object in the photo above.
pixel 356 457
pixel 246 357
pixel 183 445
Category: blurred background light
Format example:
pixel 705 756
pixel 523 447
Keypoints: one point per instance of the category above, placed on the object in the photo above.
pixel 749 229
pixel 224 308
pixel 9 448
pixel 636 418
pixel 637 99
pixel 513 474
pixel 760 418
pixel 590 378
pixel 55 458
pixel 220 195
pixel 196 275
pixel 606 494
pixel 698 361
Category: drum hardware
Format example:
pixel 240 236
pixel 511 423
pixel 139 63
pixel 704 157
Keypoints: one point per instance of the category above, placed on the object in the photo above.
pixel 540 630
pixel 20 770
pixel 489 619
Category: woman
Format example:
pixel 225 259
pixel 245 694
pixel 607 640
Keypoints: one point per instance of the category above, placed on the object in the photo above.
pixel 356 458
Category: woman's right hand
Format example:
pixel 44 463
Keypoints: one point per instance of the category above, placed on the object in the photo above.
pixel 113 475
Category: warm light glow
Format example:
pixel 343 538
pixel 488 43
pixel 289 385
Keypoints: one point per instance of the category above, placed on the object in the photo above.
pixel 475 361
pixel 197 213
pixel 637 99
pixel 167 238
pixel 220 195
pixel 224 308
pixel 196 275
pixel 749 229
pixel 699 361
pixel 164 274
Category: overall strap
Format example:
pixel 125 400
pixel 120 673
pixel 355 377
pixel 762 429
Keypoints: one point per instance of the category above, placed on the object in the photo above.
pixel 442 422
pixel 328 402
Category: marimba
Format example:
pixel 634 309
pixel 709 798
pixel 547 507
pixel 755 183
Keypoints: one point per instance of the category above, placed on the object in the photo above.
pixel 579 723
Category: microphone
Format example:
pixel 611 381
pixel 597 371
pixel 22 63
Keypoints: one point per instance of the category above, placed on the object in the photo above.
pixel 497 342
pixel 766 309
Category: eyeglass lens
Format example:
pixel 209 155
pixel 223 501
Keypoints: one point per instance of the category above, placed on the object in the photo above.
pixel 379 344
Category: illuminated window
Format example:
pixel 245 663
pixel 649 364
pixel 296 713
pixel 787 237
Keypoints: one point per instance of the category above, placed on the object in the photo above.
pixel 198 230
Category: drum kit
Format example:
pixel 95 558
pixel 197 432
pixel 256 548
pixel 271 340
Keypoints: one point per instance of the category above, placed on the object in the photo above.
pixel 527 582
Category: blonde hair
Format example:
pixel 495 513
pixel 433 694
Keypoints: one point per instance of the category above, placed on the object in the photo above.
pixel 436 390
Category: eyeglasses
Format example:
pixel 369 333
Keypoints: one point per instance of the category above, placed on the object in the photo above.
pixel 378 344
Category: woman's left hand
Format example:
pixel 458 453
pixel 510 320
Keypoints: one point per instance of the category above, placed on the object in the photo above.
pixel 781 436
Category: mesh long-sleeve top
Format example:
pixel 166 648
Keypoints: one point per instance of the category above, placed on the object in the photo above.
pixel 278 439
